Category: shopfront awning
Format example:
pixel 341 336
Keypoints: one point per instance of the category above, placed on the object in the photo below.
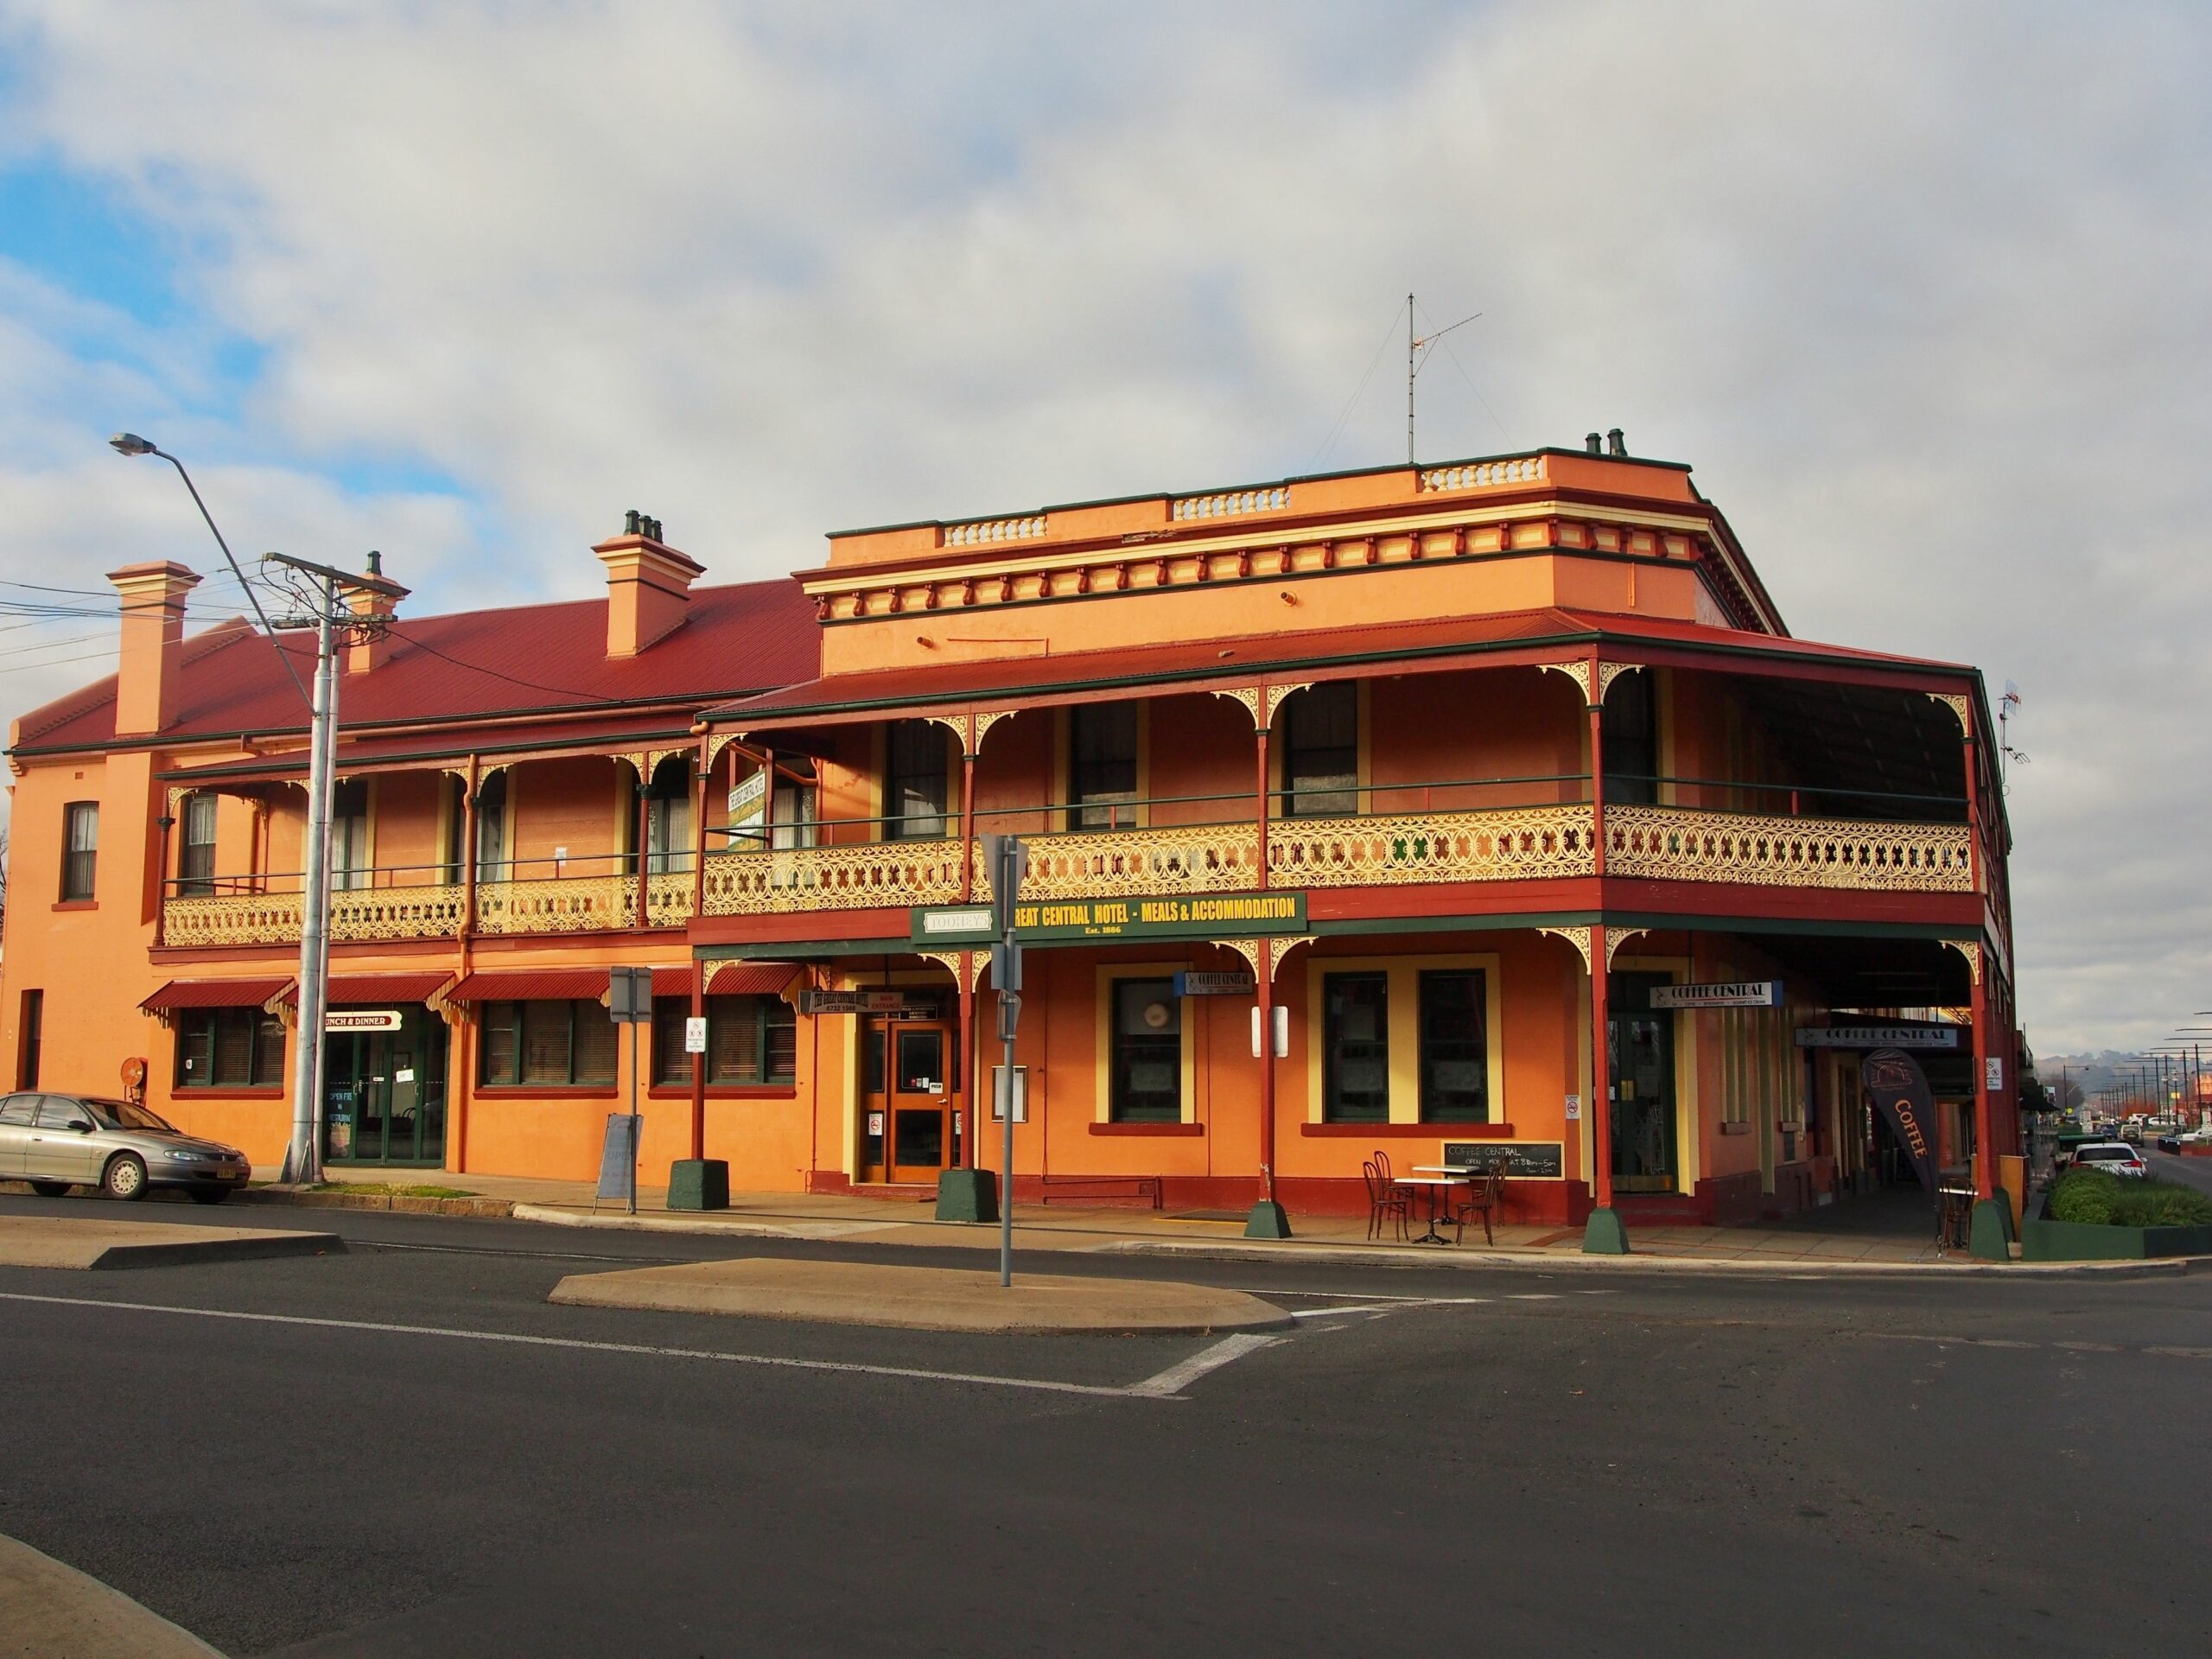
pixel 214 994
pixel 728 979
pixel 366 991
pixel 531 985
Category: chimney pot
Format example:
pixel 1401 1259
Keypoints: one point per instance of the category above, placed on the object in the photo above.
pixel 1615 443
pixel 1594 443
pixel 630 522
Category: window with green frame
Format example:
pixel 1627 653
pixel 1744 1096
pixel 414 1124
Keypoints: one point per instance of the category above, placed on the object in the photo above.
pixel 1356 1048
pixel 750 1039
pixel 229 1048
pixel 558 1043
pixel 1455 1046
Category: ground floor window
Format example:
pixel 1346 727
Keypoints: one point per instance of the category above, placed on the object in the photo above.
pixel 229 1048
pixel 546 1042
pixel 1455 1046
pixel 1146 1066
pixel 1356 1048
pixel 750 1039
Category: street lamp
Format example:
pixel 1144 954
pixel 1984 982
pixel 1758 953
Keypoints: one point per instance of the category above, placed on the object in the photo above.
pixel 303 1157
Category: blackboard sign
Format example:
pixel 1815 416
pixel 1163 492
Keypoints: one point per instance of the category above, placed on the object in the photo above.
pixel 617 1157
pixel 1525 1160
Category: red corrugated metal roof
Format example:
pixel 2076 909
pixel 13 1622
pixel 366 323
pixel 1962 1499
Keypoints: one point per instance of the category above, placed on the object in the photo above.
pixel 214 994
pixel 531 985
pixel 472 664
pixel 659 729
pixel 359 990
pixel 729 979
pixel 1240 659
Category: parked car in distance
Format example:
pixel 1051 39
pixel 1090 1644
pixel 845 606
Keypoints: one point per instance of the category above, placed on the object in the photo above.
pixel 2113 1157
pixel 57 1142
pixel 2170 1142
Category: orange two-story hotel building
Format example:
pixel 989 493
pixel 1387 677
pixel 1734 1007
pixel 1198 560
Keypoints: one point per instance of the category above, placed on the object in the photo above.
pixel 1456 765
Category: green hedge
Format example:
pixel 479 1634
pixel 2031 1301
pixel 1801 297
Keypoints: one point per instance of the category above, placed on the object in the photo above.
pixel 2093 1196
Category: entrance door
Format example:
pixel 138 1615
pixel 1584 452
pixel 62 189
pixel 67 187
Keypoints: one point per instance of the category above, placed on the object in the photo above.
pixel 921 1101
pixel 385 1093
pixel 1642 1044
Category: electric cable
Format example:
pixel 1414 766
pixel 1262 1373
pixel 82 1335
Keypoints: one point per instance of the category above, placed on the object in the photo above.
pixel 1389 334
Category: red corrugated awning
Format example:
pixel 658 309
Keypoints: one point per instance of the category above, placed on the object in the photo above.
pixel 212 993
pixel 361 990
pixel 727 979
pixel 532 985
pixel 750 979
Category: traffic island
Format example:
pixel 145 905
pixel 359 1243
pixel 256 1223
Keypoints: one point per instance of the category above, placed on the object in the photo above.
pixel 924 1299
pixel 52 1608
pixel 52 1241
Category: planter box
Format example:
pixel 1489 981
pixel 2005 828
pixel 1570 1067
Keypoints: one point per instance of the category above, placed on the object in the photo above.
pixel 2079 1241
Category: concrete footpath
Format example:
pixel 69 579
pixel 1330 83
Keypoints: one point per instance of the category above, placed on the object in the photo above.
pixel 925 1298
pixel 50 1611
pixel 96 1243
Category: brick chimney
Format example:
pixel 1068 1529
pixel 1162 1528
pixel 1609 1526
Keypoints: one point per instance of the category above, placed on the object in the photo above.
pixel 153 644
pixel 648 586
pixel 362 655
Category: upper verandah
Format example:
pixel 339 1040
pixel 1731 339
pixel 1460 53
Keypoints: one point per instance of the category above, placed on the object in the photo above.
pixel 1577 528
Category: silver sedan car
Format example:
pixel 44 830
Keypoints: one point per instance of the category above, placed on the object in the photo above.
pixel 57 1142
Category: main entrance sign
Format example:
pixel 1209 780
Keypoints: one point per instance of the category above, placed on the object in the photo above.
pixel 1071 921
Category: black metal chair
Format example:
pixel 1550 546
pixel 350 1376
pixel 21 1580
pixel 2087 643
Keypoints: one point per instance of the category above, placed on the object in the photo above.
pixel 1385 1198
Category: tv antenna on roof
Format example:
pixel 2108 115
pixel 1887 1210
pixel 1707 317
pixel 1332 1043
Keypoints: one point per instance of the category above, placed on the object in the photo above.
pixel 1417 351
pixel 2007 706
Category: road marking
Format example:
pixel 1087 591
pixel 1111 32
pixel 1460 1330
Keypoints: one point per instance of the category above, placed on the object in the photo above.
pixel 1172 1381
pixel 1164 1386
pixel 1363 1307
pixel 1534 1296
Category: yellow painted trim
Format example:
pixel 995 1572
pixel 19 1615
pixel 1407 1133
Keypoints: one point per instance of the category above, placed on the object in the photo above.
pixel 1102 1045
pixel 1402 995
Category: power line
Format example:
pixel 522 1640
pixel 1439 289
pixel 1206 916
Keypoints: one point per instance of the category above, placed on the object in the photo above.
pixel 479 667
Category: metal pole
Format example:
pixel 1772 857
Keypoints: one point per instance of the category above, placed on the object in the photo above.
pixel 1409 380
pixel 1005 1160
pixel 305 1161
pixel 636 1128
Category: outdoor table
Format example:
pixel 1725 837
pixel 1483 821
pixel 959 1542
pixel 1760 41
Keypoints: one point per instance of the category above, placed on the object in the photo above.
pixel 1436 1183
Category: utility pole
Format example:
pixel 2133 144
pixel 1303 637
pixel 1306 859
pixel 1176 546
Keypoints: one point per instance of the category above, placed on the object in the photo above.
pixel 329 618
pixel 1006 858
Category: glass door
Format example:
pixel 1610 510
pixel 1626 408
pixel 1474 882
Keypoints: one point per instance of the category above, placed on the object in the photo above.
pixel 921 1103
pixel 1642 1046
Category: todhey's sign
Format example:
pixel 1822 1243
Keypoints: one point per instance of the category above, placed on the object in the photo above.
pixel 1218 915
pixel 1749 994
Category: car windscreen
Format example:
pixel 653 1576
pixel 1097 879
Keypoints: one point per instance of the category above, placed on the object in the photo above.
pixel 2103 1155
pixel 123 1114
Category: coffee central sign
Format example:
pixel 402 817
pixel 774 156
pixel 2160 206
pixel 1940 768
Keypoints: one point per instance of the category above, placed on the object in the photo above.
pixel 1212 916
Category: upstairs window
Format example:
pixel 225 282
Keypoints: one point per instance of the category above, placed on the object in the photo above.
pixel 1320 751
pixel 914 775
pixel 349 834
pixel 80 846
pixel 668 833
pixel 1103 767
pixel 195 862
pixel 492 828
pixel 1631 736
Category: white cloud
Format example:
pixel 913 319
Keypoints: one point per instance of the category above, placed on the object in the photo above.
pixel 1919 291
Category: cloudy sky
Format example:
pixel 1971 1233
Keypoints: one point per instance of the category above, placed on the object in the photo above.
pixel 1920 290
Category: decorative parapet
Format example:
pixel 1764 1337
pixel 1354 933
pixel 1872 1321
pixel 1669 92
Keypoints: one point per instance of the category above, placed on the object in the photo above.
pixel 1228 504
pixel 986 530
pixel 1484 475
pixel 1675 845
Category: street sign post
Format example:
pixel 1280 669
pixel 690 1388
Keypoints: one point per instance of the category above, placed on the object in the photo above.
pixel 630 1002
pixel 1007 859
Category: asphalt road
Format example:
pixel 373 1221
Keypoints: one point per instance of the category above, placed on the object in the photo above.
pixel 2182 1172
pixel 405 1451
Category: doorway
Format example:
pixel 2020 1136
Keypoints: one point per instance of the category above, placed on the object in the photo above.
pixel 385 1091
pixel 1641 1041
pixel 910 1126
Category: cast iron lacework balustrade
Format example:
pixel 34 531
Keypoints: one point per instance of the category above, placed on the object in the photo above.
pixel 1114 863
pixel 668 899
pixel 872 876
pixel 256 919
pixel 1672 843
pixel 573 904
pixel 395 913
pixel 1511 844
pixel 356 913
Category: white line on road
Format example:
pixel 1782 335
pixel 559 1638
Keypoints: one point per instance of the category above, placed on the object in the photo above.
pixel 1173 1380
pixel 1165 1386
pixel 1362 1307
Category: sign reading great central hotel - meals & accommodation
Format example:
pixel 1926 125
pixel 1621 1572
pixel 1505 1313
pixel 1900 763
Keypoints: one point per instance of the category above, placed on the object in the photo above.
pixel 1211 916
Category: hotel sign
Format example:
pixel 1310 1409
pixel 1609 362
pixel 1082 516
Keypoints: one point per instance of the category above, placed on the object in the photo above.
pixel 1074 921
pixel 1749 993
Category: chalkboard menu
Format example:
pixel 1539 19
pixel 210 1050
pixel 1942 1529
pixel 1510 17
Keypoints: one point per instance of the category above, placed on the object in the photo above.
pixel 1527 1161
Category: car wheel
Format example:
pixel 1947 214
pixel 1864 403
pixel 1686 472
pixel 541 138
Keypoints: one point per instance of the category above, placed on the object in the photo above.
pixel 210 1194
pixel 49 1188
pixel 125 1177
